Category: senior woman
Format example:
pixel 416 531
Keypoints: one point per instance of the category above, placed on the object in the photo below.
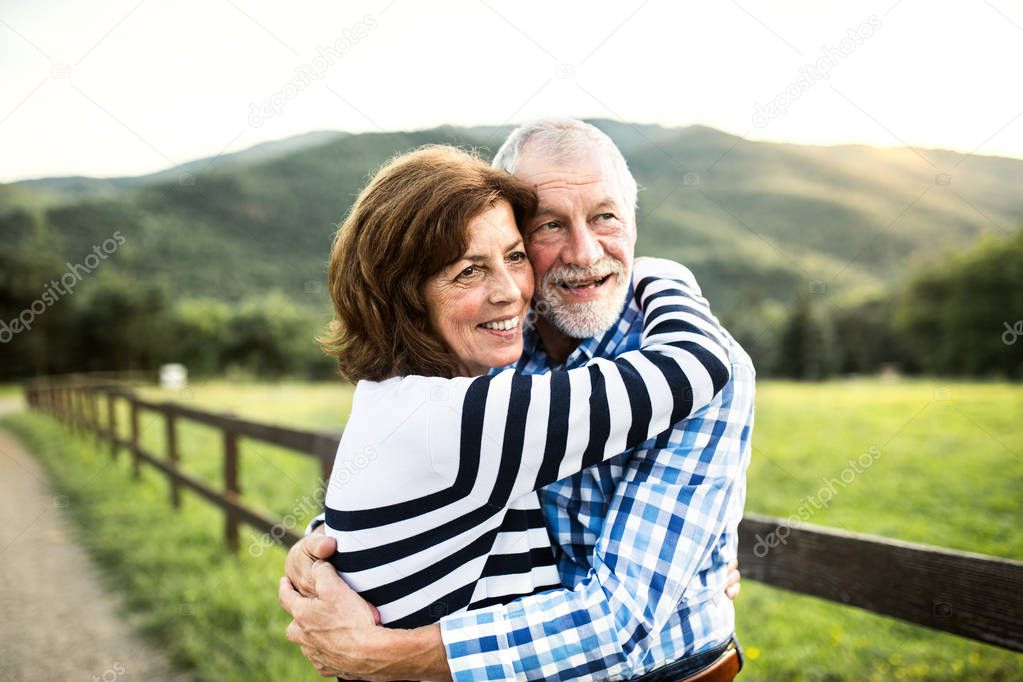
pixel 432 499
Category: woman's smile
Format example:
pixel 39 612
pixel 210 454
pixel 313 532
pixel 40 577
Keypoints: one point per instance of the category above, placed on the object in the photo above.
pixel 506 328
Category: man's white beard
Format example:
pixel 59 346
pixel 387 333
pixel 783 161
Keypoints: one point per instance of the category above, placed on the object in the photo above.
pixel 583 320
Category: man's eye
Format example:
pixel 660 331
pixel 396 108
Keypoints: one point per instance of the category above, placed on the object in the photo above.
pixel 606 216
pixel 552 225
pixel 517 257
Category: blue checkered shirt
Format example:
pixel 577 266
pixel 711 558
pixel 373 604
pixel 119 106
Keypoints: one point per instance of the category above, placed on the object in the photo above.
pixel 643 541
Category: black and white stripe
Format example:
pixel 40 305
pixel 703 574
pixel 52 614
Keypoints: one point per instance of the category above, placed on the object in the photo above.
pixel 442 515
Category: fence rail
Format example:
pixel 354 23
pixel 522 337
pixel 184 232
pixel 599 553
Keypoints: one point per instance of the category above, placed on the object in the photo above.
pixel 76 403
pixel 971 595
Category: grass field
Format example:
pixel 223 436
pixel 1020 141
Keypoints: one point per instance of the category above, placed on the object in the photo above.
pixel 947 470
pixel 9 390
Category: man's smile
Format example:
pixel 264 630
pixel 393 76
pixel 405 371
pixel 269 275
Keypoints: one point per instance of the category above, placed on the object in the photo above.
pixel 585 290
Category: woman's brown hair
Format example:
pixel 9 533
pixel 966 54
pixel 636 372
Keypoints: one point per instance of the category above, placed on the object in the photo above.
pixel 409 223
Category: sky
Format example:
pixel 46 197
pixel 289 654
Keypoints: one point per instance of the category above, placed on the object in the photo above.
pixel 123 87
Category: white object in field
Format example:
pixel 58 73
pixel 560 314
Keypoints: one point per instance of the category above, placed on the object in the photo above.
pixel 173 376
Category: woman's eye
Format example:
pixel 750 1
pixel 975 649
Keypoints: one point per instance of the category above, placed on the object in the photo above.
pixel 468 272
pixel 517 257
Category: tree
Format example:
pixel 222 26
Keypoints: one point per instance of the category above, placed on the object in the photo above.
pixel 31 309
pixel 964 315
pixel 121 324
pixel 866 337
pixel 806 347
pixel 274 336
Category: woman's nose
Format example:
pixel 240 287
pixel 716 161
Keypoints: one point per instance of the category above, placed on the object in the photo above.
pixel 504 288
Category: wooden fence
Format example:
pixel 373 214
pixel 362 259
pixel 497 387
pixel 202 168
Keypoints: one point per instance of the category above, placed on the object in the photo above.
pixel 89 406
pixel 971 595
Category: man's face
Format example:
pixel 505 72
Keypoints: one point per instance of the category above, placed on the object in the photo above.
pixel 581 241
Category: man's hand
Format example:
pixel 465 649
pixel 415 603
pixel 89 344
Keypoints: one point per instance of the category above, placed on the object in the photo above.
pixel 333 628
pixel 340 634
pixel 299 564
pixel 734 580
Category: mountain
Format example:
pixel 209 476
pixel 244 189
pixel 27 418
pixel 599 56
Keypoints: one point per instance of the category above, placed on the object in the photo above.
pixel 756 221
pixel 52 190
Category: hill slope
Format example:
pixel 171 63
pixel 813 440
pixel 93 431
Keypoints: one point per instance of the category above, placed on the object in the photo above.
pixel 750 218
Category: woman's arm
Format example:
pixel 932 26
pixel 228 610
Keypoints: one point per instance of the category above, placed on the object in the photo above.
pixel 496 438
pixel 555 424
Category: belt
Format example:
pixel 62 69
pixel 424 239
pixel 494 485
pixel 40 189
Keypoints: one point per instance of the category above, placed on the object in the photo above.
pixel 720 664
pixel 724 669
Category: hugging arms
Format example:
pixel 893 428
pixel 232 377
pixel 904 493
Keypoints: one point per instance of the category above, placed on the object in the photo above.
pixel 641 541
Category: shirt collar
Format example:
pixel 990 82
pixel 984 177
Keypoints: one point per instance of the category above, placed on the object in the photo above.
pixel 593 347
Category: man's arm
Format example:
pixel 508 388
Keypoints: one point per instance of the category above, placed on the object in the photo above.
pixel 681 496
pixel 364 651
pixel 369 652
pixel 665 520
pixel 341 635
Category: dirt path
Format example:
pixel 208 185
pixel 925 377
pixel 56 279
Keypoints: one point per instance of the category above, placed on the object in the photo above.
pixel 56 621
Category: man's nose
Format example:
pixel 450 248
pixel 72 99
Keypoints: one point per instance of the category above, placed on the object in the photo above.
pixel 583 249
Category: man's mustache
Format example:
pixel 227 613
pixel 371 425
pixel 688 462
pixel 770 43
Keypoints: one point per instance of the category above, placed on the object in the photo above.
pixel 571 274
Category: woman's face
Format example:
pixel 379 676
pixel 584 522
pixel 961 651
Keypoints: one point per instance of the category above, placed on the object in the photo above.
pixel 478 303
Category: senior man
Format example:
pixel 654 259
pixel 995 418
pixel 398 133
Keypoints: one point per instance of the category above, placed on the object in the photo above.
pixel 644 541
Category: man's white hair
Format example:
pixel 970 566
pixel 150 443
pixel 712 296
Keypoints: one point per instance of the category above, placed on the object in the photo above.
pixel 564 139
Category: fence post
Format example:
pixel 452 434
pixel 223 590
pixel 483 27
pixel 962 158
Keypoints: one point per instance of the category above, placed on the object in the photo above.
pixel 112 424
pixel 69 408
pixel 135 460
pixel 89 420
pixel 97 429
pixel 172 456
pixel 79 410
pixel 70 397
pixel 231 484
pixel 72 410
pixel 83 402
pixel 83 406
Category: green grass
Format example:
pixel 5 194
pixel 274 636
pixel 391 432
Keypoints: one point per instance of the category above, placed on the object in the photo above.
pixel 10 390
pixel 948 472
pixel 948 468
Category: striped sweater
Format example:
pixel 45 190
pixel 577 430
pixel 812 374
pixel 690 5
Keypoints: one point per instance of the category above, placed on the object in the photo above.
pixel 432 499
